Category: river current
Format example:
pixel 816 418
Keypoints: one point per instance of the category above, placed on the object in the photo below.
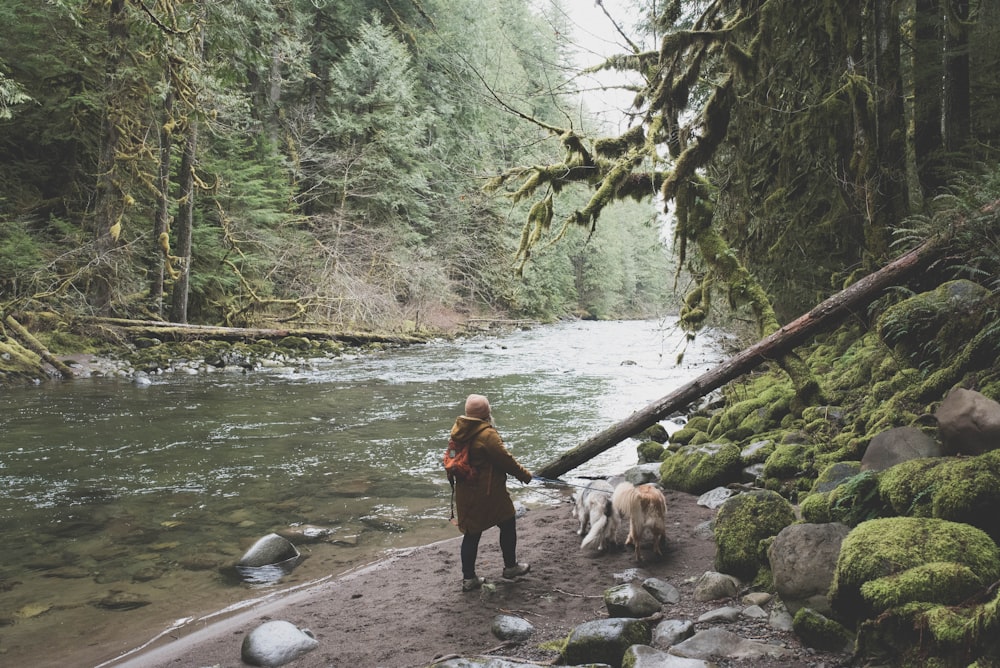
pixel 124 507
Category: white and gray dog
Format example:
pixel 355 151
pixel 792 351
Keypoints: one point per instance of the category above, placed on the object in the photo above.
pixel 599 522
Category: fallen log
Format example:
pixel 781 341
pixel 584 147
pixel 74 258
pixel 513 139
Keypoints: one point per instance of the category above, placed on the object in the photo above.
pixel 35 346
pixel 171 331
pixel 826 314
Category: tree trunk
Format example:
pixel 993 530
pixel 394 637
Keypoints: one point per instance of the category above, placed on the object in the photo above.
pixel 778 344
pixel 955 107
pixel 108 200
pixel 161 220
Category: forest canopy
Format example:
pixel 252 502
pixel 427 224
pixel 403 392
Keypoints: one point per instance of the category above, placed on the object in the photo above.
pixel 370 163
pixel 254 161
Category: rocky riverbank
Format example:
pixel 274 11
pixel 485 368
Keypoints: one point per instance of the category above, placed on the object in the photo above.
pixel 408 609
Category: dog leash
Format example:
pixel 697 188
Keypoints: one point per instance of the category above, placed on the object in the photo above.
pixel 556 481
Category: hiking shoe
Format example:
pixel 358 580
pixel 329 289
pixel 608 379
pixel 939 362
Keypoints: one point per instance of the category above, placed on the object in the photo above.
pixel 517 569
pixel 470 584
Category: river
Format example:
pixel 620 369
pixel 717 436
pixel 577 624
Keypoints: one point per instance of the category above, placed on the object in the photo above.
pixel 124 507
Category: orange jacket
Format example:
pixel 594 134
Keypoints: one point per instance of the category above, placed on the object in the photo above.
pixel 485 502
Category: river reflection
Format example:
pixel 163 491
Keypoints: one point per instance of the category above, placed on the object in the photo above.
pixel 125 507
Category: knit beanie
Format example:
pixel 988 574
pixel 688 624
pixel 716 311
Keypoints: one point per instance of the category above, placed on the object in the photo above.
pixel 477 406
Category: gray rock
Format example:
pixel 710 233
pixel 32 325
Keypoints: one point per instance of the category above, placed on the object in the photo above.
pixel 669 632
pixel 509 627
pixel 803 558
pixel 719 643
pixel 662 591
pixel 712 586
pixel 754 612
pixel 643 473
pixel 720 615
pixel 898 445
pixel 641 656
pixel 780 619
pixel 705 530
pixel 968 423
pixel 630 600
pixel 276 643
pixel 271 549
pixel 715 497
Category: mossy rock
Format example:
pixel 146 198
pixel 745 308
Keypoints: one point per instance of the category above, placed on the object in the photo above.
pixel 927 328
pixel 741 524
pixel 918 635
pixel 656 432
pixel 943 583
pixel 883 547
pixel 604 640
pixel 965 489
pixel 820 632
pixel 649 452
pixel 789 461
pixel 835 475
pixel 815 508
pixel 857 500
pixel 684 435
pixel 695 469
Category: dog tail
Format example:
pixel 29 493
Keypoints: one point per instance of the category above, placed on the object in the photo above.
pixel 593 537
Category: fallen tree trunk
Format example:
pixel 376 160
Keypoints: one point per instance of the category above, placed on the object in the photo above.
pixel 35 346
pixel 170 331
pixel 828 313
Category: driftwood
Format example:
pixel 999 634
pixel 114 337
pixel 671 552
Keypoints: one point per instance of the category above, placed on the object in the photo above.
pixel 170 331
pixel 828 313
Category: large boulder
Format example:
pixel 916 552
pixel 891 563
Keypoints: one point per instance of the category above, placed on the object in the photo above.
pixel 929 328
pixel 887 547
pixel 959 489
pixel 803 559
pixel 894 446
pixel 741 524
pixel 695 469
pixel 968 423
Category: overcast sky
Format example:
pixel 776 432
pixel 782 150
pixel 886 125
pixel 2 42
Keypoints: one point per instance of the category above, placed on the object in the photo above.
pixel 595 38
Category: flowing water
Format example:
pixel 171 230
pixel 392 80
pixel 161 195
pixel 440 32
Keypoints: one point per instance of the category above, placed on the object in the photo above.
pixel 123 508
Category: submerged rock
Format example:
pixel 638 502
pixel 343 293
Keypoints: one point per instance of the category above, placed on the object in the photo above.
pixel 270 550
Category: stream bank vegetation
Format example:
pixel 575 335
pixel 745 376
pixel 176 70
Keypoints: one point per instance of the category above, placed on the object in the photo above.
pixel 398 166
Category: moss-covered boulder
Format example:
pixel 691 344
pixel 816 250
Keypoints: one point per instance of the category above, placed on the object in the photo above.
pixel 695 469
pixel 604 640
pixel 656 432
pixel 835 475
pixel 820 632
pixel 649 452
pixel 944 583
pixel 929 327
pixel 957 489
pixel 922 634
pixel 856 500
pixel 741 524
pixel 890 546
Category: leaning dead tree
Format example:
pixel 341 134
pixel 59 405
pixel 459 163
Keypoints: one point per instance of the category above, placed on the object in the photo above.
pixel 781 342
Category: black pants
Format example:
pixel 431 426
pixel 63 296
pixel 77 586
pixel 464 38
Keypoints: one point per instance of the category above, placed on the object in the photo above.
pixel 508 546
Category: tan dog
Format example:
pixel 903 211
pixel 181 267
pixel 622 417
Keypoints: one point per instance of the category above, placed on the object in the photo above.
pixel 598 519
pixel 645 508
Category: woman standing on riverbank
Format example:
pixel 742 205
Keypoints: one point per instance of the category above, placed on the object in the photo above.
pixel 482 500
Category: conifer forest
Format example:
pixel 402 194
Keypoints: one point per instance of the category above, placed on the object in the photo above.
pixel 376 163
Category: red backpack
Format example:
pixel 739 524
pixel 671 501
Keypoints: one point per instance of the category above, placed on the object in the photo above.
pixel 456 462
